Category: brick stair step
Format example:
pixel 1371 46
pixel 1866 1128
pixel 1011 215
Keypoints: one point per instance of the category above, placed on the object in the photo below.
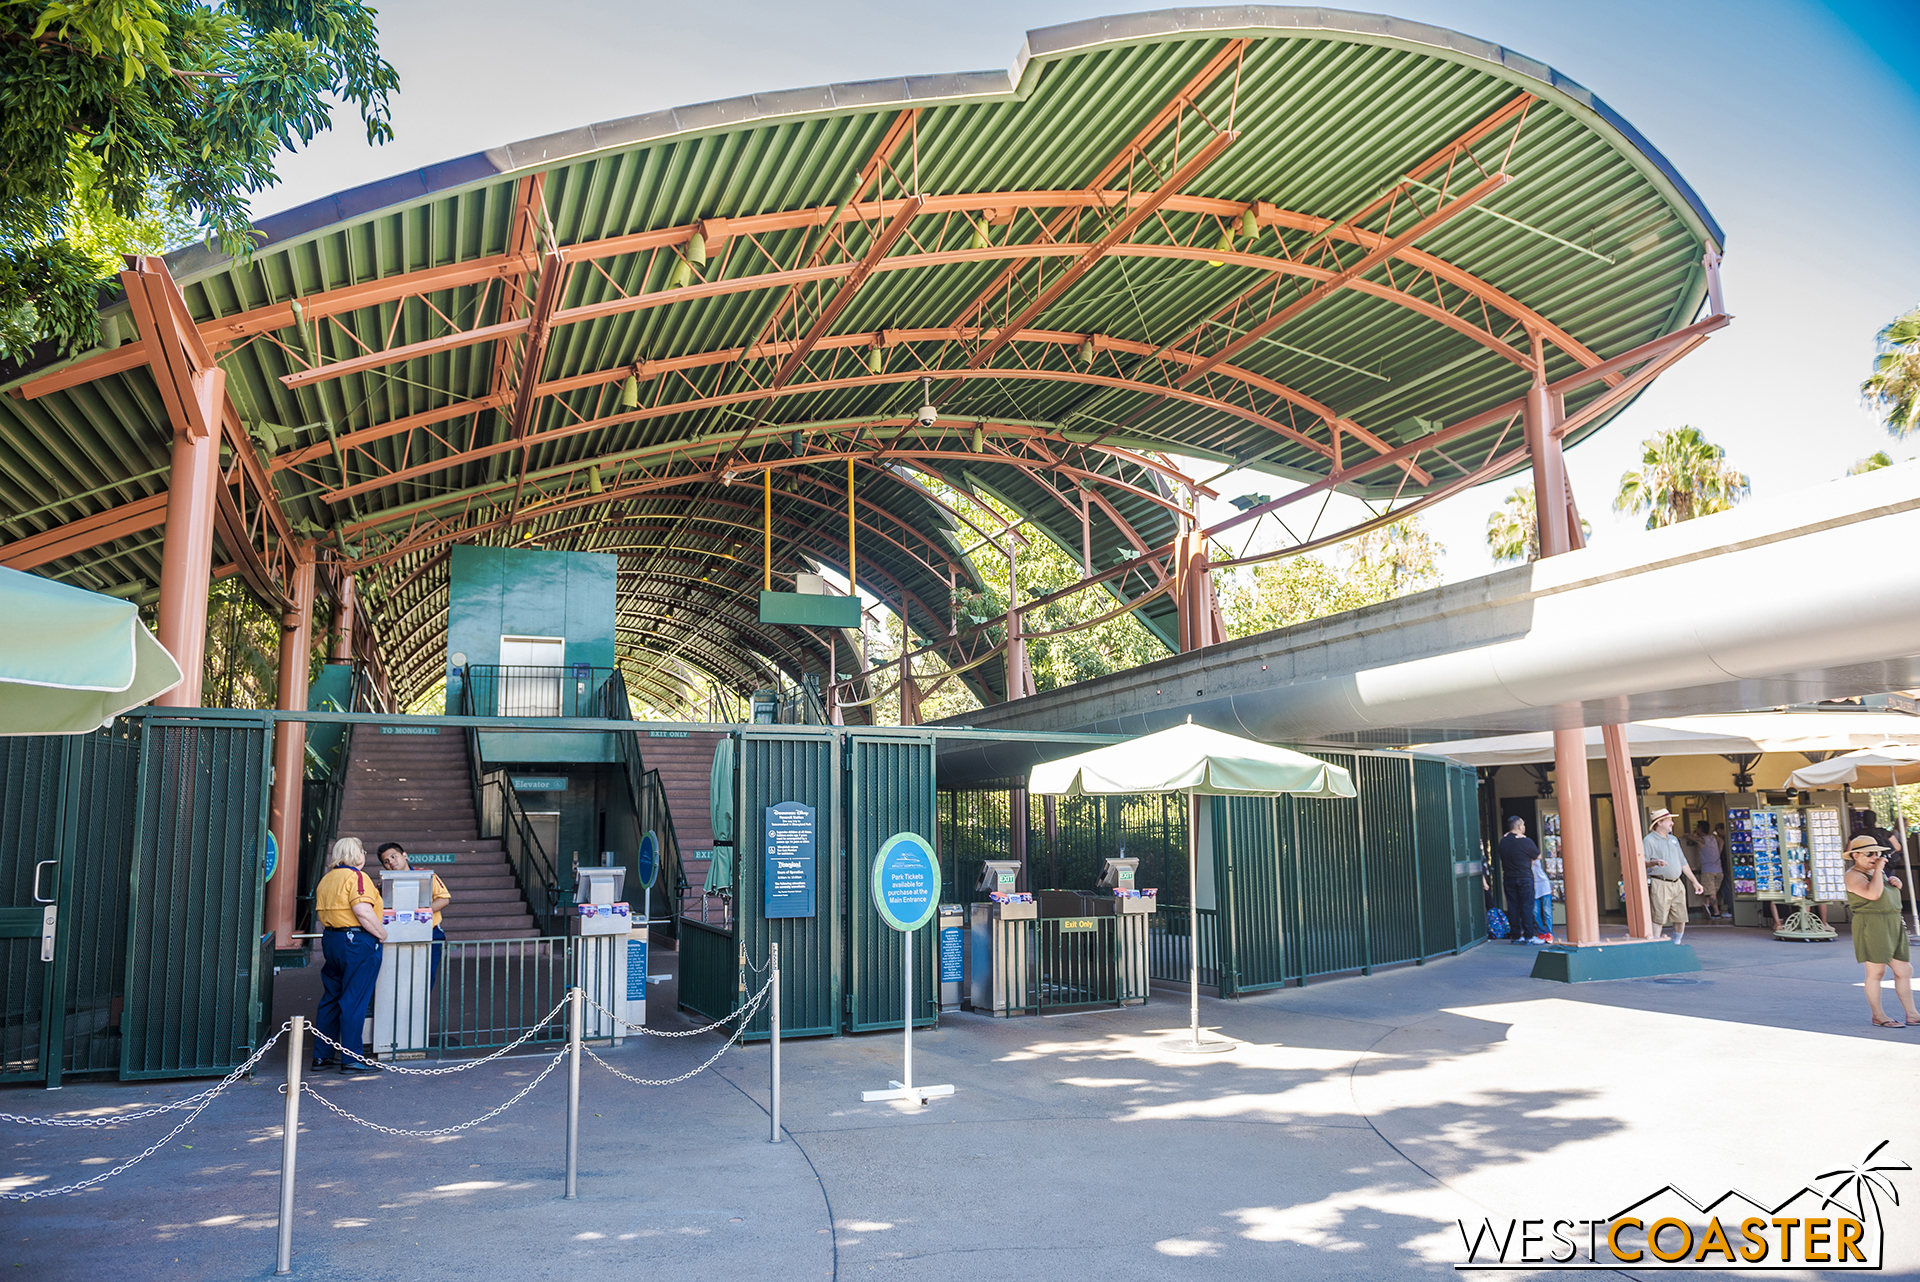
pixel 490 927
pixel 471 895
pixel 458 885
pixel 526 932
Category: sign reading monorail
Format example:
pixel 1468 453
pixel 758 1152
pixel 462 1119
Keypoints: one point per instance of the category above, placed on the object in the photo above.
pixel 789 860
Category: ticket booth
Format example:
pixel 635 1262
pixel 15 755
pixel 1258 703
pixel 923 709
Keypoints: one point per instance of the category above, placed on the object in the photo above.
pixel 400 993
pixel 616 987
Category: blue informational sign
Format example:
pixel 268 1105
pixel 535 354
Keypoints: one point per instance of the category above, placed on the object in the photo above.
pixel 539 783
pixel 952 955
pixel 789 860
pixel 636 970
pixel 647 862
pixel 906 881
pixel 273 857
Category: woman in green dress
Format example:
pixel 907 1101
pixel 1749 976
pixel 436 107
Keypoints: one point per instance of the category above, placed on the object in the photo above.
pixel 1879 932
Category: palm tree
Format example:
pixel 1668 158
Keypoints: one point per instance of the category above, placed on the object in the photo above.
pixel 1513 532
pixel 1871 463
pixel 1894 388
pixel 1682 475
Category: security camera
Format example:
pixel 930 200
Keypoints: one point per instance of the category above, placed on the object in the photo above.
pixel 928 415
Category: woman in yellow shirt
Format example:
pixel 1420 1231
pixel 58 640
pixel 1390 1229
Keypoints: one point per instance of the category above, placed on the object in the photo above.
pixel 348 904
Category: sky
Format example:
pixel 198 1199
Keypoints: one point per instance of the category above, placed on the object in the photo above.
pixel 1798 124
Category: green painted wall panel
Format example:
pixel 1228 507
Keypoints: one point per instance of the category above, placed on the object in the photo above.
pixel 773 769
pixel 890 790
pixel 196 893
pixel 497 592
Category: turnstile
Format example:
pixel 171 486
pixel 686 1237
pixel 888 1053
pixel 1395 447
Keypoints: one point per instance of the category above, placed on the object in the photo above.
pixel 998 958
pixel 406 963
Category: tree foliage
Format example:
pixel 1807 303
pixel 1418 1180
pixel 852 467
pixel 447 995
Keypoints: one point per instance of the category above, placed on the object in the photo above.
pixel 1513 530
pixel 1871 463
pixel 130 125
pixel 1682 475
pixel 1392 561
pixel 1893 389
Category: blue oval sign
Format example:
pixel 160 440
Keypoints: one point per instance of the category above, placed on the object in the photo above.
pixel 906 881
pixel 272 861
pixel 648 861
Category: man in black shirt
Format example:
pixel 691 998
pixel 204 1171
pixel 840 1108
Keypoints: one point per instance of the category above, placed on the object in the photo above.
pixel 1517 854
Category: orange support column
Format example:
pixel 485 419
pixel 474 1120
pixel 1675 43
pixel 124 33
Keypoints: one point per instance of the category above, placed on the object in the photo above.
pixel 341 640
pixel 1626 826
pixel 1569 743
pixel 290 748
pixel 186 560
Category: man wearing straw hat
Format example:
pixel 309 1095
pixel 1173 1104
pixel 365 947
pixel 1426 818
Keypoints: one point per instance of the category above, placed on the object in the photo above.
pixel 1666 865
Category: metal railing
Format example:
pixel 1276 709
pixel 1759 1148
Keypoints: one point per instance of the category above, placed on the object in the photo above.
pixel 512 690
pixel 1090 961
pixel 656 816
pixel 490 993
pixel 501 815
pixel 1168 936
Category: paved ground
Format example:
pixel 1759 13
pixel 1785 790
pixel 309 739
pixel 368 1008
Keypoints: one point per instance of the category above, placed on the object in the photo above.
pixel 1357 1121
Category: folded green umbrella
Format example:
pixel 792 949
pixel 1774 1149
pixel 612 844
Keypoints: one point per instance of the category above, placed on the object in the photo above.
pixel 72 660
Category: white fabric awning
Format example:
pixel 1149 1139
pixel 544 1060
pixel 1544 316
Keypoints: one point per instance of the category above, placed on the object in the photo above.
pixel 1735 732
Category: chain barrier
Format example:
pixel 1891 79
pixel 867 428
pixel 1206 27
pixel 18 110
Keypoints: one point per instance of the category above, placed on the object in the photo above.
pixel 711 1060
pixel 460 1067
pixel 722 1022
pixel 205 1097
pixel 552 1064
pixel 675 1081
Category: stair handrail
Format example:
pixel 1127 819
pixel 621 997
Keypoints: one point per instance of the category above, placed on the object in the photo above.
pixel 532 869
pixel 671 875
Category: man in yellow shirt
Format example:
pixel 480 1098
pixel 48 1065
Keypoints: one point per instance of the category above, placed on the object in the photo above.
pixel 349 907
pixel 393 857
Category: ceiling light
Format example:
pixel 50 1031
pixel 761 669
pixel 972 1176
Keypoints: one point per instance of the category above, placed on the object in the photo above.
pixel 679 274
pixel 876 360
pixel 1086 351
pixel 630 393
pixel 982 234
pixel 979 442
pixel 1249 223
pixel 594 484
pixel 697 250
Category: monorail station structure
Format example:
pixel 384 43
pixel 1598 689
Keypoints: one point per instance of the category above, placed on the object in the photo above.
pixel 558 423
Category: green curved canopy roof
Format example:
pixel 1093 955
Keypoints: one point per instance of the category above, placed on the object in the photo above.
pixel 1303 241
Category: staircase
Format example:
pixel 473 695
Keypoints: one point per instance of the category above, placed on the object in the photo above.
pixel 416 789
pixel 685 766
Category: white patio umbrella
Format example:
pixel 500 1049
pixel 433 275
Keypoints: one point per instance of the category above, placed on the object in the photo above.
pixel 1201 763
pixel 72 660
pixel 1887 766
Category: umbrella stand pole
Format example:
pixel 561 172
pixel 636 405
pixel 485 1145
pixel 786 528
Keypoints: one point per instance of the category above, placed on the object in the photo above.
pixel 1193 915
pixel 1906 860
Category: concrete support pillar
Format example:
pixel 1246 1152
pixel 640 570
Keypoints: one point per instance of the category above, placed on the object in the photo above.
pixel 186 559
pixel 290 748
pixel 1626 827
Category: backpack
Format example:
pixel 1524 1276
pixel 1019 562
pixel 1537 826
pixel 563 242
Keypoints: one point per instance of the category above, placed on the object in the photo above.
pixel 1497 925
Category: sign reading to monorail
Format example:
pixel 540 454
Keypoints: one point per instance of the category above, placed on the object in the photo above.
pixel 906 881
pixel 789 860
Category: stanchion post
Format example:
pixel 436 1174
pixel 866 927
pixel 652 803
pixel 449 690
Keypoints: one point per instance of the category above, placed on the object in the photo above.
pixel 573 1092
pixel 296 1057
pixel 773 1114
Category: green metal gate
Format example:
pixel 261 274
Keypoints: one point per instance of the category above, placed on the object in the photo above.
pixel 196 893
pixel 31 772
pixel 890 789
pixel 790 767
pixel 1247 888
pixel 1088 961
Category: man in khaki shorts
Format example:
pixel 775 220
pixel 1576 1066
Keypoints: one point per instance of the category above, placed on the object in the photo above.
pixel 1666 865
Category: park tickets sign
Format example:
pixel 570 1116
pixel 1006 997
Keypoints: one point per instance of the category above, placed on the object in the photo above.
pixel 1839 1227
